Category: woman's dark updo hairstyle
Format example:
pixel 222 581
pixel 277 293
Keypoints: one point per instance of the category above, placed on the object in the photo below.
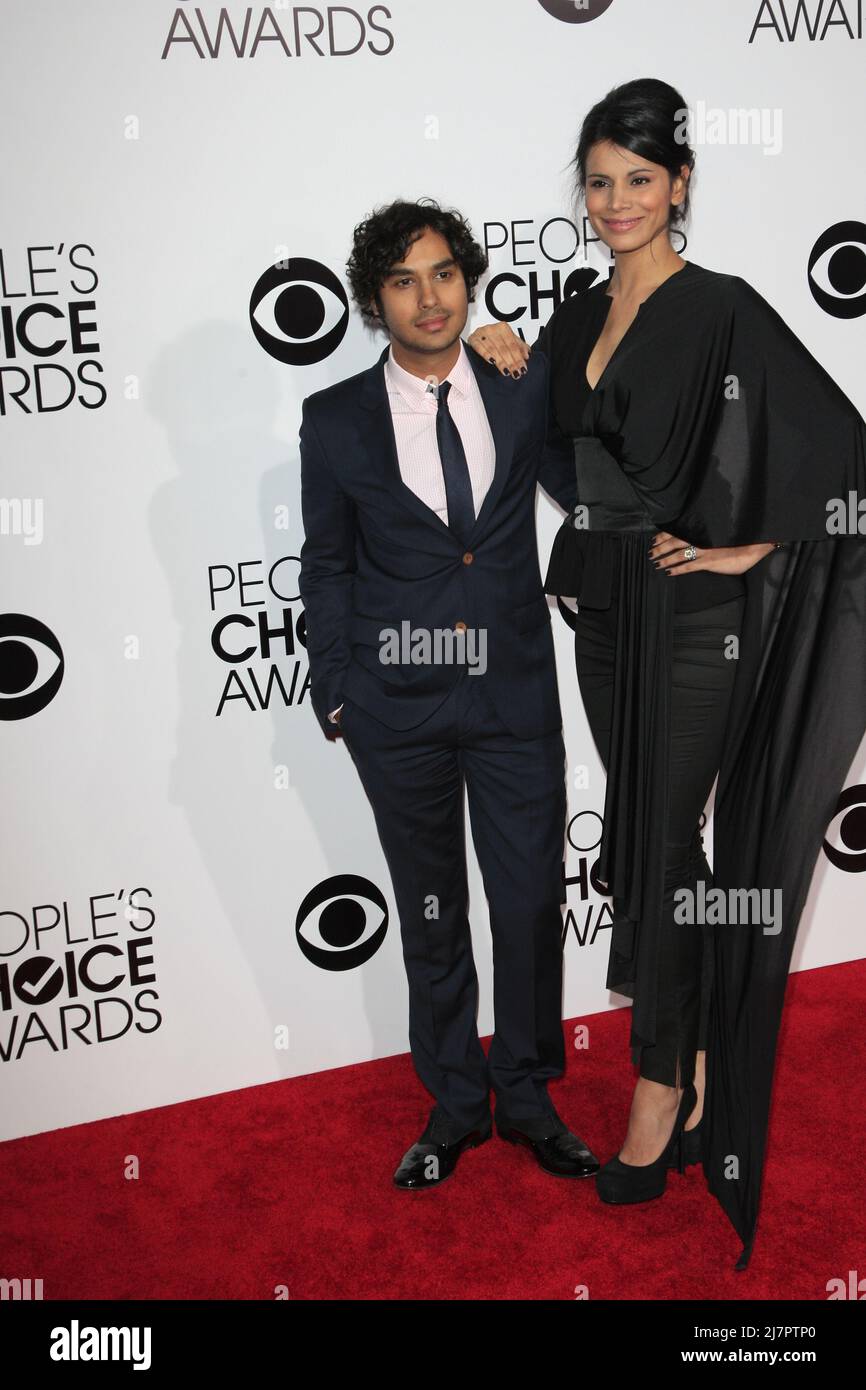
pixel 644 117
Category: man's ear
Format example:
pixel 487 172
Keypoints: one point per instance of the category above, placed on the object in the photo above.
pixel 378 319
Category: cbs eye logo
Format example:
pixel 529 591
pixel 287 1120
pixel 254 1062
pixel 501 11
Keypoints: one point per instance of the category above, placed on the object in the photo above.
pixel 837 270
pixel 299 312
pixel 845 845
pixel 573 12
pixel 31 666
pixel 334 929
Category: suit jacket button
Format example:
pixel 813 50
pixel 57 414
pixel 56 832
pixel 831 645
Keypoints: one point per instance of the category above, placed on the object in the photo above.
pixel 460 627
pixel 468 558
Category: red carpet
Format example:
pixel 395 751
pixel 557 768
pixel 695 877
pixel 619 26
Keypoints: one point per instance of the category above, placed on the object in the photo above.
pixel 290 1184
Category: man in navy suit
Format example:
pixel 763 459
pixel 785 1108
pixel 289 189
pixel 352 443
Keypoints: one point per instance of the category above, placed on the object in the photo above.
pixel 431 650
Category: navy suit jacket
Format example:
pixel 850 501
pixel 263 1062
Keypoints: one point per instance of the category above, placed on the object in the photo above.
pixel 375 556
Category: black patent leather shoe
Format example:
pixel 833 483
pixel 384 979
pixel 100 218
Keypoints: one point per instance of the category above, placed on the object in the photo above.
pixel 429 1162
pixel 563 1155
pixel 620 1183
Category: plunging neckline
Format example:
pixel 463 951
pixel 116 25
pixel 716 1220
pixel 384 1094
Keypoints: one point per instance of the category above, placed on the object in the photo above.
pixel 609 298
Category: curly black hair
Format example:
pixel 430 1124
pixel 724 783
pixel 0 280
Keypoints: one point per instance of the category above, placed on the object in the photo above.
pixel 383 239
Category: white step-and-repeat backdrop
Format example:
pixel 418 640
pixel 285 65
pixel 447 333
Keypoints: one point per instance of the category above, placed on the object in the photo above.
pixel 193 894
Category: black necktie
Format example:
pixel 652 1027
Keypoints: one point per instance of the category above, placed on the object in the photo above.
pixel 458 486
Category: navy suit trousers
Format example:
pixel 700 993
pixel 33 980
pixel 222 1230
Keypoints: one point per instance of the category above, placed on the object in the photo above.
pixel 415 782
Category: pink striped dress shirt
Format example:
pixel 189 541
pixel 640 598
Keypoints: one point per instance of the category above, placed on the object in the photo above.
pixel 413 410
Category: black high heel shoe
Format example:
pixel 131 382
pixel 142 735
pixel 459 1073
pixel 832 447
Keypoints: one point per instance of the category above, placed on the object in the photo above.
pixel 619 1182
pixel 693 1146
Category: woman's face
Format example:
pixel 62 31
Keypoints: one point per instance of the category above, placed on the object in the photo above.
pixel 628 198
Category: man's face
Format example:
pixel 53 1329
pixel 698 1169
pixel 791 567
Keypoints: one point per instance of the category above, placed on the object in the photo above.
pixel 424 299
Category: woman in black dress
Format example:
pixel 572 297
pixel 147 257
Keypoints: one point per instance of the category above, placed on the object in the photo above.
pixel 708 445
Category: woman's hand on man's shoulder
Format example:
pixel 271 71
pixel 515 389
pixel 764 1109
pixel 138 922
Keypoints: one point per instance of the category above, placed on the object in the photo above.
pixel 499 344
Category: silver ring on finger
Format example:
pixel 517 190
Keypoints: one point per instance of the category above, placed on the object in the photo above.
pixel 690 553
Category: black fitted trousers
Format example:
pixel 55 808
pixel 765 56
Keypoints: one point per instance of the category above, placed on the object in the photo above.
pixel 702 677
